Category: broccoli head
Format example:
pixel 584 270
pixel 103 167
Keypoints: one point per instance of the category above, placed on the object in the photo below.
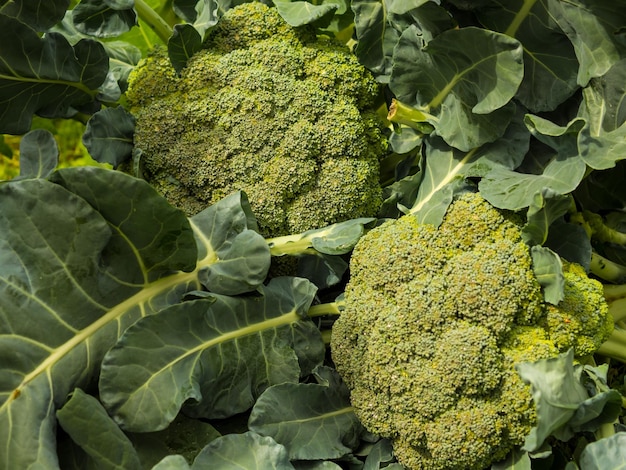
pixel 265 108
pixel 436 319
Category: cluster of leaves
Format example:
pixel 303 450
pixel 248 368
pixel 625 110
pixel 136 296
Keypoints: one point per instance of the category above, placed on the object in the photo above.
pixel 134 337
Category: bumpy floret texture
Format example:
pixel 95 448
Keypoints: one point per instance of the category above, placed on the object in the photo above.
pixel 436 319
pixel 267 109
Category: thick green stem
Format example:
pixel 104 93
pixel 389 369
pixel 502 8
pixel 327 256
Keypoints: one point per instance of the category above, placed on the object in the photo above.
pixel 290 245
pixel 615 346
pixel 602 232
pixel 152 19
pixel 606 269
pixel 400 113
pixel 332 308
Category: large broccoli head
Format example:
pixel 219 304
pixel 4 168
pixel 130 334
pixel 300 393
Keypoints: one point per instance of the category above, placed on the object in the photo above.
pixel 436 319
pixel 267 109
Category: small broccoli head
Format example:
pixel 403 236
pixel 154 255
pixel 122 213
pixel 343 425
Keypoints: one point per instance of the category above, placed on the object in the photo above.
pixel 437 318
pixel 581 320
pixel 267 109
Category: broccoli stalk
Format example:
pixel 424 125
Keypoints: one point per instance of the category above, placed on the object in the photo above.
pixel 403 114
pixel 154 20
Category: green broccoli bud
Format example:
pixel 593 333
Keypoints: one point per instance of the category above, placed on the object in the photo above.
pixel 435 320
pixel 268 109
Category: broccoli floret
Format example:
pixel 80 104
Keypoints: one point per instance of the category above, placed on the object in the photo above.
pixel 435 320
pixel 268 109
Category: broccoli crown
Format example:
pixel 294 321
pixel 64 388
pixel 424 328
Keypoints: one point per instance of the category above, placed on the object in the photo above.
pixel 268 109
pixel 436 319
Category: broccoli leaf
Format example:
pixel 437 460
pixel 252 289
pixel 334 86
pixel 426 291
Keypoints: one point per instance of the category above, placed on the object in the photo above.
pixel 561 171
pixel 46 76
pixel 39 154
pixel 464 79
pixel 546 207
pixel 82 260
pixel 104 19
pixel 220 352
pixel 550 64
pixel 237 258
pixel 379 24
pixel 172 462
pixel 548 270
pixel 247 450
pixel 313 421
pixel 606 454
pixel 298 13
pixel 109 136
pixel 39 14
pixel 109 448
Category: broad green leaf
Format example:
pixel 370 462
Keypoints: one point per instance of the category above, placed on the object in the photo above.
pixel 516 460
pixel 561 172
pixel 602 142
pixel 104 19
pixel 247 451
pixel 45 76
pixel 445 168
pixel 570 242
pixel 591 26
pixel 299 13
pixel 89 426
pixel 185 437
pixel 550 65
pixel 38 14
pixel 109 135
pixel 39 154
pixel 219 352
pixel 606 454
pixel 172 462
pixel 381 452
pixel 379 24
pixel 462 79
pixel 313 421
pixel 548 270
pixel 75 271
pixel 557 392
pixel 546 207
pixel 237 258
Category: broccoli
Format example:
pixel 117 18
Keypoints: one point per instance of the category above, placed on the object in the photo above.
pixel 266 108
pixel 435 320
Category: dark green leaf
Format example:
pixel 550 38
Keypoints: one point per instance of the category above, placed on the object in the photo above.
pixel 561 172
pixel 247 451
pixel 591 26
pixel 72 278
pixel 570 242
pixel 382 452
pixel 322 270
pixel 557 392
pixel 38 14
pixel 516 460
pixel 39 154
pixel 462 79
pixel 108 446
pixel 220 352
pixel 237 257
pixel 45 76
pixel 298 13
pixel 548 270
pixel 546 207
pixel 104 19
pixel 379 24
pixel 184 43
pixel 606 454
pixel 550 65
pixel 313 421
pixel 109 136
